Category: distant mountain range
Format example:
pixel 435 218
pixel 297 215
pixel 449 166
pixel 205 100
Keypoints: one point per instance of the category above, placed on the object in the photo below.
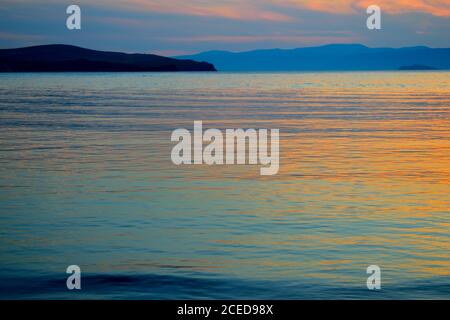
pixel 60 58
pixel 416 67
pixel 333 57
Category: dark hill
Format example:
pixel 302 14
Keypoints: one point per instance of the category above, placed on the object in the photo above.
pixel 59 58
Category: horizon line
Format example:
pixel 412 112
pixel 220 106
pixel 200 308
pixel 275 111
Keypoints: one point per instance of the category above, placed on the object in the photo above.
pixel 229 51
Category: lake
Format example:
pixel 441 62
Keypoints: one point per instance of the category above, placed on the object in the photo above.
pixel 86 179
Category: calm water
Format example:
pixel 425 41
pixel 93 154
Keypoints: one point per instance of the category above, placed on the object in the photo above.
pixel 86 179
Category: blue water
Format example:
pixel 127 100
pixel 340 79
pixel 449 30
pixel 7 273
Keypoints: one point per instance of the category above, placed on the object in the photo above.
pixel 86 179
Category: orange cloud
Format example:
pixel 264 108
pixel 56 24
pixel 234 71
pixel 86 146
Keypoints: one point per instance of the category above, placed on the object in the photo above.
pixel 230 9
pixel 304 39
pixel 434 7
pixel 19 36
pixel 439 8
pixel 264 9
pixel 268 10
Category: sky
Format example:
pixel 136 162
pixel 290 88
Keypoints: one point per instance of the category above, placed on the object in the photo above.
pixel 177 27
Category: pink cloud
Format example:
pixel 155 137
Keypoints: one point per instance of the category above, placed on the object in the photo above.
pixel 172 53
pixel 269 9
pixel 19 36
pixel 303 39
pixel 433 7
pixel 229 9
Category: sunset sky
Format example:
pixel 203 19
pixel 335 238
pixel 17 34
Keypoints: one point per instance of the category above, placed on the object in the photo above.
pixel 173 27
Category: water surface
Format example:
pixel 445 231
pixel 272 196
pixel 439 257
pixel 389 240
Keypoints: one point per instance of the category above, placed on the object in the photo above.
pixel 86 179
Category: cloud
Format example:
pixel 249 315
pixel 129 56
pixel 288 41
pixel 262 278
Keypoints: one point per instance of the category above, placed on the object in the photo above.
pixel 300 38
pixel 229 9
pixel 439 8
pixel 19 36
pixel 265 10
pixel 271 10
pixel 172 53
pixel 194 25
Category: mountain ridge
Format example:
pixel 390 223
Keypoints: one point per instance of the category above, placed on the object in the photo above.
pixel 330 57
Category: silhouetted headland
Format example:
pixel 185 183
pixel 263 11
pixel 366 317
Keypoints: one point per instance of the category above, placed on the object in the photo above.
pixel 67 58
